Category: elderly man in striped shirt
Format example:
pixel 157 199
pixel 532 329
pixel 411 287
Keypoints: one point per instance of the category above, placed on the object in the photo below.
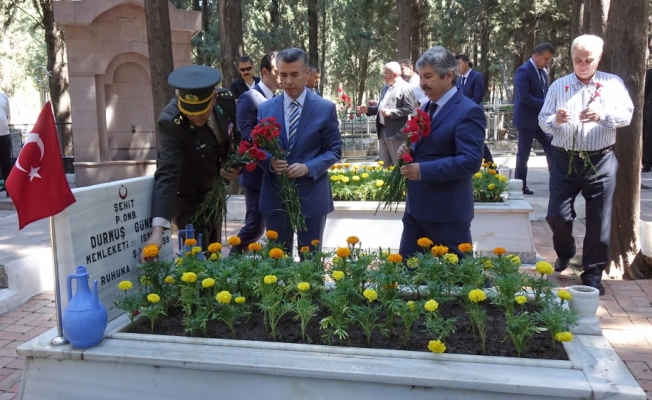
pixel 582 111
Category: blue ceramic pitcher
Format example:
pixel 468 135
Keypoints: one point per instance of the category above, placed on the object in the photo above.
pixel 85 319
pixel 188 233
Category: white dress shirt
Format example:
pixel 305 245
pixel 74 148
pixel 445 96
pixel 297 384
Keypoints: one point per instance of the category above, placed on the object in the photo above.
pixel 614 105
pixel 5 114
pixel 419 95
pixel 267 92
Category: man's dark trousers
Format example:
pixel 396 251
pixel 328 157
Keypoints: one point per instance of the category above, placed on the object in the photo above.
pixel 450 235
pixel 5 156
pixel 597 189
pixel 525 138
pixel 254 225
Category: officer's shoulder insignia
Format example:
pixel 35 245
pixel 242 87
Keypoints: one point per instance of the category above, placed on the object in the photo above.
pixel 224 93
pixel 191 97
pixel 178 119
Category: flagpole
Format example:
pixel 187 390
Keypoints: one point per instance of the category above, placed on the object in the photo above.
pixel 60 339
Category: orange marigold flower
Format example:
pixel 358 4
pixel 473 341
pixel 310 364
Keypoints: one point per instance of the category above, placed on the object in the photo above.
pixel 190 242
pixel 271 235
pixel 352 240
pixel 255 247
pixel 304 249
pixel 214 247
pixel 314 242
pixel 438 251
pixel 395 258
pixel 424 242
pixel 499 251
pixel 234 241
pixel 276 253
pixel 465 247
pixel 343 252
pixel 150 251
pixel 492 172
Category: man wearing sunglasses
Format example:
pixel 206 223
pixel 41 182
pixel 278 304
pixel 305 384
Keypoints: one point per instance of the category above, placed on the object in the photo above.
pixel 248 80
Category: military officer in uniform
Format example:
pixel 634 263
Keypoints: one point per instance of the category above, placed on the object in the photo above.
pixel 196 133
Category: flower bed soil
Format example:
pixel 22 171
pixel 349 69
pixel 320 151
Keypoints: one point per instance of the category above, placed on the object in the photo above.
pixel 498 342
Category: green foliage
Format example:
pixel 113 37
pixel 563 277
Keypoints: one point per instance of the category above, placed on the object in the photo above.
pixel 488 185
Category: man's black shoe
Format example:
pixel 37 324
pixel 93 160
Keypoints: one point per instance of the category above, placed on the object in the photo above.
pixel 646 168
pixel 526 190
pixel 596 285
pixel 561 264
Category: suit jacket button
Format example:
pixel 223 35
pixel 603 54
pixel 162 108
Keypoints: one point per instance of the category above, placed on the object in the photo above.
pixel 202 156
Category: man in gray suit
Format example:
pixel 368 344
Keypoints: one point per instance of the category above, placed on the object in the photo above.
pixel 392 111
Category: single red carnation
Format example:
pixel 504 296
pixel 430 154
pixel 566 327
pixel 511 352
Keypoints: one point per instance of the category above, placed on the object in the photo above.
pixel 414 137
pixel 407 158
pixel 244 146
pixel 596 94
pixel 598 85
pixel 250 167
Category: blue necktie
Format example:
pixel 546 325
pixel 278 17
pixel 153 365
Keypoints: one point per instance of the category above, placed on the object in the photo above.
pixel 463 81
pixel 544 85
pixel 294 122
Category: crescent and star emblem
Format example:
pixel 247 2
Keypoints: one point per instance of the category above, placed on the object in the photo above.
pixel 32 138
pixel 122 197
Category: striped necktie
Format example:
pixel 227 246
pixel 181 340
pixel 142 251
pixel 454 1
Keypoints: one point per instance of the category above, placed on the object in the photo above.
pixel 294 121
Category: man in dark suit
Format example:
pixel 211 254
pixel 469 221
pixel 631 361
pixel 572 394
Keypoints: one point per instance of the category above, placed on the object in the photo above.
pixel 471 83
pixel 392 111
pixel 647 123
pixel 313 80
pixel 196 134
pixel 247 80
pixel 310 132
pixel 530 89
pixel 247 117
pixel 439 202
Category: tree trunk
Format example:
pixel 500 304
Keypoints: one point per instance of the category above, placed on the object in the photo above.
pixel 57 64
pixel 159 44
pixel 404 19
pixel 626 44
pixel 586 18
pixel 313 30
pixel 230 20
pixel 577 18
pixel 416 28
pixel 364 67
pixel 324 44
pixel 599 10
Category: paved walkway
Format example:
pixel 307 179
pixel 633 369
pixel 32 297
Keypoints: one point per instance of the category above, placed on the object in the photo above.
pixel 625 310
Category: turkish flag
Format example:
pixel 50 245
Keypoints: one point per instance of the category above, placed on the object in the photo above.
pixel 37 184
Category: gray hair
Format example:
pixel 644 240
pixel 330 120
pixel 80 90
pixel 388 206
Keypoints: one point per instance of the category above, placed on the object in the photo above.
pixel 591 43
pixel 291 55
pixel 440 59
pixel 394 67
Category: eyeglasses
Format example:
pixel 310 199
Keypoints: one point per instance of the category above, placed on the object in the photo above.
pixel 245 69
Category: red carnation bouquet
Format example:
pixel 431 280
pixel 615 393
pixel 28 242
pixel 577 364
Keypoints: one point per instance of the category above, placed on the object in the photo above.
pixel 393 191
pixel 343 104
pixel 266 136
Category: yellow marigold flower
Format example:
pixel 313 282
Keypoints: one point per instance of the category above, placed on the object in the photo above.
pixel 125 285
pixel 271 235
pixel 372 167
pixel 208 282
pixel 315 242
pixel 564 295
pixel 343 252
pixel 214 247
pixel 355 167
pixel 439 250
pixel 391 168
pixel 365 167
pixel 153 298
pixel 347 165
pixel 499 251
pixel 424 242
pixel 451 258
pixel 379 182
pixel 190 242
pixel 303 286
pixel 487 264
pixel 364 175
pixel 169 279
pixel 150 251
pixel 304 249
pixel 477 295
pixel 214 256
pixel 355 178
pixel 269 279
pixel 395 258
pixel 491 186
pixel 431 305
pixel 381 162
pixel 563 336
pixel 485 165
pixel 338 275
pixel 179 262
pixel 436 346
pixel 477 175
pixel 234 241
pixel 493 165
pixel 223 297
pixel 254 247
pixel 516 260
pixel 502 178
pixel 334 178
pixel 276 253
pixel 492 172
pixel 465 247
pixel 196 250
pixel 352 240
pixel 370 294
pixel 189 277
pixel 240 300
pixel 521 299
pixel 145 281
pixel 413 262
pixel 410 305
pixel 544 268
pixel 345 179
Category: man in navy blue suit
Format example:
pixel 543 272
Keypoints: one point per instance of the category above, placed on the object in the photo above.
pixel 246 117
pixel 439 202
pixel 530 89
pixel 314 145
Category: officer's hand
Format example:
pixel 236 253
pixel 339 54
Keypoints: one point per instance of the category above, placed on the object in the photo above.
pixel 156 238
pixel 402 150
pixel 297 170
pixel 278 166
pixel 411 171
pixel 231 173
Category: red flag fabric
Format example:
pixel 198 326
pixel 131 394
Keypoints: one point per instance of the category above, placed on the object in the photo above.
pixel 37 184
